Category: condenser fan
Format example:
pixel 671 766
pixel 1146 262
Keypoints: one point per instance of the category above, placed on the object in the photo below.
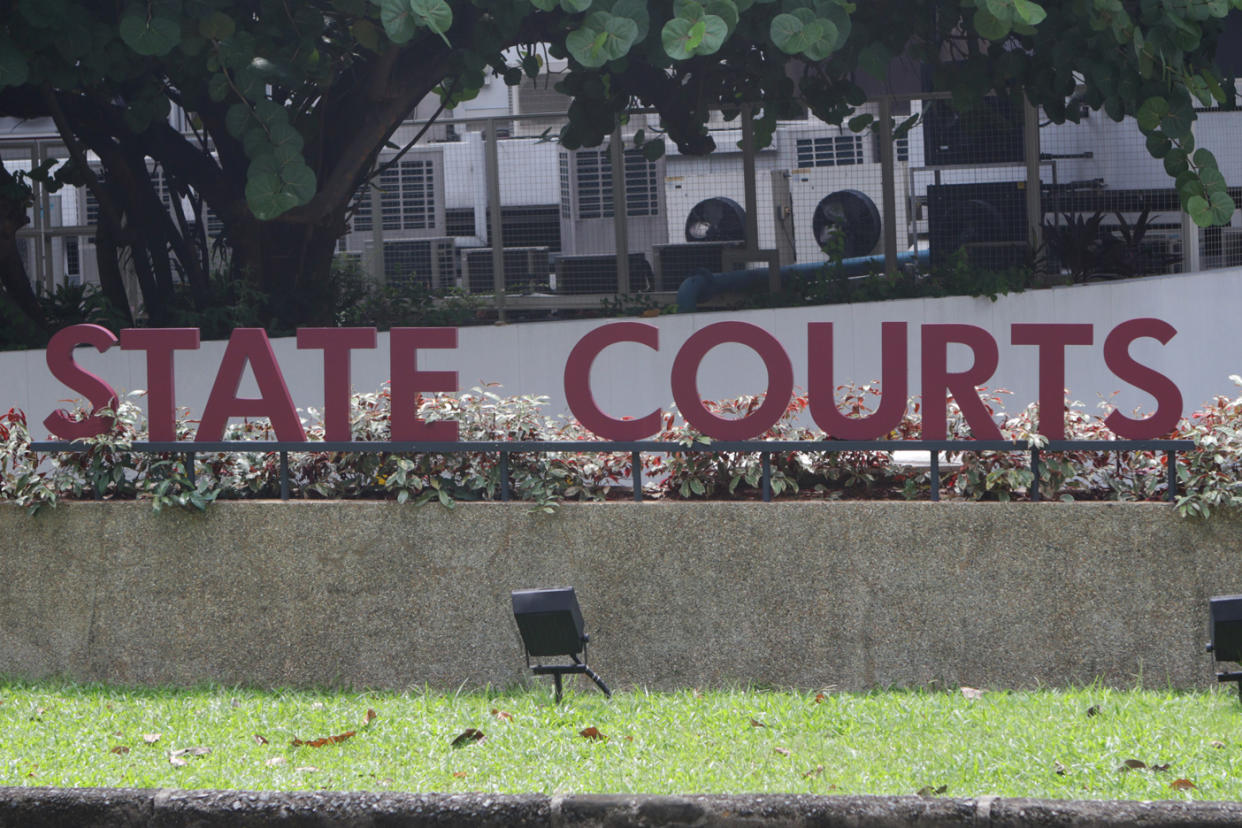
pixel 852 217
pixel 716 219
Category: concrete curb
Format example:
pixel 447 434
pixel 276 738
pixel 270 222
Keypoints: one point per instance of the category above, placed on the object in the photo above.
pixel 113 808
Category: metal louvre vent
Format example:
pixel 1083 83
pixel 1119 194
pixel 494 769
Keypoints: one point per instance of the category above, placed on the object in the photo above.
pixel 566 211
pixel 594 168
pixel 829 151
pixel 407 196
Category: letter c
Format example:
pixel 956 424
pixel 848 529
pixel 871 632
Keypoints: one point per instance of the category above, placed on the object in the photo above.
pixel 578 381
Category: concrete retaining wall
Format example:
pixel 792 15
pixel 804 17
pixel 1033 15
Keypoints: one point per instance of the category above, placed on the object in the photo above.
pixel 110 808
pixel 854 595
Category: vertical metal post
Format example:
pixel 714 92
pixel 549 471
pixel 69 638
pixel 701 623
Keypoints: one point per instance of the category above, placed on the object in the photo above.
pixel 1170 459
pixel 504 476
pixel 888 185
pixel 378 272
pixel 765 463
pixel 1035 473
pixel 189 468
pixel 748 178
pixel 636 475
pixel 1030 146
pixel 1191 261
pixel 284 475
pixel 494 235
pixel 935 476
pixel 620 209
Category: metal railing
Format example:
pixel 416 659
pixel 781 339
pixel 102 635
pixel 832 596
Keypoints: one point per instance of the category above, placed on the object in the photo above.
pixel 764 448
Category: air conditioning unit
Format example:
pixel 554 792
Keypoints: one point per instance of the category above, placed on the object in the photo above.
pixel 842 203
pixel 990 133
pixel 988 219
pixel 409 197
pixel 428 263
pixel 598 274
pixel 587 214
pixel 674 263
pixel 524 266
pixel 710 207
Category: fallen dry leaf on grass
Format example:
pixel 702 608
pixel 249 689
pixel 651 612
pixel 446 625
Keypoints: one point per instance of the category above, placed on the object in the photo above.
pixel 459 775
pixel 593 734
pixel 783 751
pixel 972 692
pixel 1058 768
pixel 502 714
pixel 1093 710
pixel 468 737
pixel 326 740
pixel 151 738
pixel 177 757
pixel 274 761
pixel 260 739
pixel 369 717
pixel 819 698
pixel 1216 743
pixel 818 770
pixel 930 791
pixel 119 750
pixel 757 723
pixel 1181 785
pixel 1132 764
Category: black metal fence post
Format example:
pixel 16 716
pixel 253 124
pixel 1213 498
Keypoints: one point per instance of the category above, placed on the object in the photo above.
pixel 765 465
pixel 284 475
pixel 636 475
pixel 935 476
pixel 1035 473
pixel 504 476
pixel 1170 459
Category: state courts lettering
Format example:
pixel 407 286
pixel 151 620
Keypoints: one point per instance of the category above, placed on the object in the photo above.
pixel 250 347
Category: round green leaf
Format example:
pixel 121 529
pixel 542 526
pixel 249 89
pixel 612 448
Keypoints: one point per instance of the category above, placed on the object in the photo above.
pixel 1158 145
pixel 218 87
pixel 989 26
pixel 575 6
pixel 434 14
pixel 635 10
pixel 1032 14
pixel 217 26
pixel 1151 112
pixel 268 197
pixel 398 20
pixel 688 9
pixel 237 119
pixel 149 35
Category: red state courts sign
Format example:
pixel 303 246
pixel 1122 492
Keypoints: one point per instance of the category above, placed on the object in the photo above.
pixel 250 347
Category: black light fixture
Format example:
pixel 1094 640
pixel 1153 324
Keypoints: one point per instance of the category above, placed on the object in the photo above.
pixel 550 623
pixel 1226 632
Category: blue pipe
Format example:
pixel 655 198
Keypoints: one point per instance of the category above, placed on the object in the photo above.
pixel 703 285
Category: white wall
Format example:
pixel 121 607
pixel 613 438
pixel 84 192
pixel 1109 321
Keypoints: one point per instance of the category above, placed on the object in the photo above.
pixel 630 379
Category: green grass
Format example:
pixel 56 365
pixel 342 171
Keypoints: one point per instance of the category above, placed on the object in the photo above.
pixel 1038 744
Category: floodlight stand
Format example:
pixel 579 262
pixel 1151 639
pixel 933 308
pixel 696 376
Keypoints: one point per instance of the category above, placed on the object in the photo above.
pixel 1232 677
pixel 558 670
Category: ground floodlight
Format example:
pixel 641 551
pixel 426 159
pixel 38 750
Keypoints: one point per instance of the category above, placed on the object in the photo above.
pixel 1226 632
pixel 550 623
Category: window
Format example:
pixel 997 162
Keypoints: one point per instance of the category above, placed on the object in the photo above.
pixel 829 151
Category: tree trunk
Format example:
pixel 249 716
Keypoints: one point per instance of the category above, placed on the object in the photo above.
pixel 13 276
pixel 291 264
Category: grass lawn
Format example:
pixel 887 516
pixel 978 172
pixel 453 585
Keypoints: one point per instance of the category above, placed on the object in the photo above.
pixel 1063 744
